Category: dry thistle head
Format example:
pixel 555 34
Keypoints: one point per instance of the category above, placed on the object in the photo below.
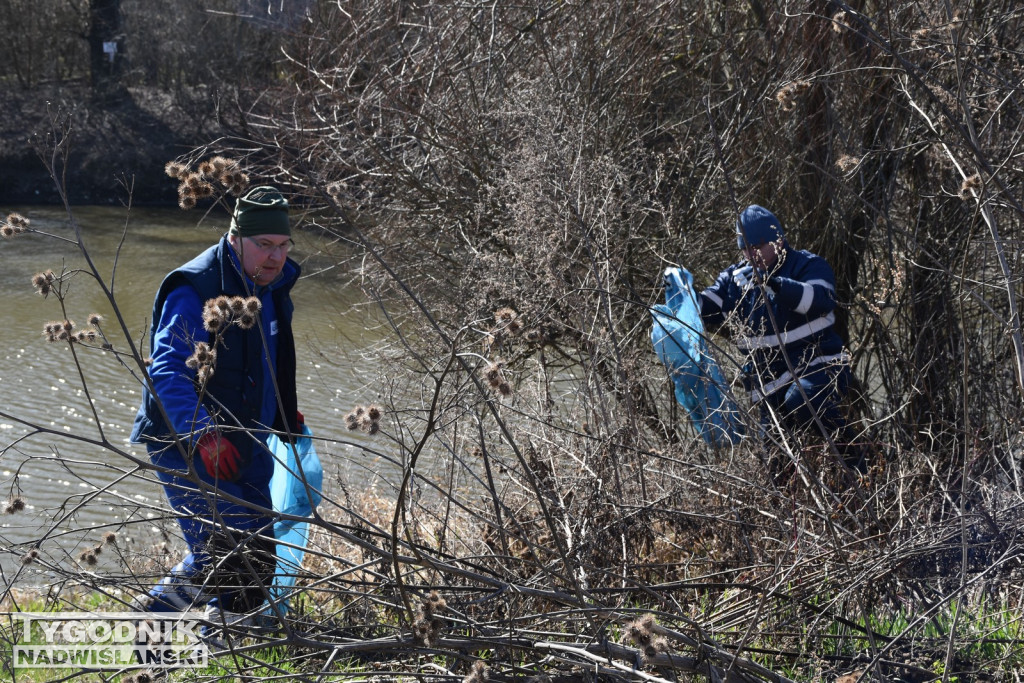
pixel 237 183
pixel 214 316
pixel 95 319
pixel 43 282
pixel 58 331
pixel 17 221
pixel 202 357
pixel 30 556
pixel 971 187
pixel 246 321
pixel 840 21
pixel 222 304
pixel 220 164
pixel 657 646
pixel 110 538
pixel 504 315
pixel 428 625
pixel 493 373
pixel 252 305
pixel 641 630
pixel 15 225
pixel 227 173
pixel 87 557
pixel 141 677
pixel 237 305
pixel 202 190
pixel 366 419
pixel 479 673
pixel 504 388
pixel 421 632
pixel 16 504
pixel 788 94
pixel 508 319
pixel 336 190
pixel 51 330
pixel 175 169
pixel 847 163
pixel 186 197
pixel 434 604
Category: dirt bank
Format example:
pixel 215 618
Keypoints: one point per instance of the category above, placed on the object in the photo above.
pixel 112 143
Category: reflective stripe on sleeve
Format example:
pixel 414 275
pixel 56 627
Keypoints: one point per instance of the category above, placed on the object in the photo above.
pixel 788 336
pixel 822 283
pixel 806 299
pixel 758 393
pixel 713 298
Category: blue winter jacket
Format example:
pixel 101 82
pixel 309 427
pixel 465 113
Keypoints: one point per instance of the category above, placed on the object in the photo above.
pixel 800 298
pixel 240 393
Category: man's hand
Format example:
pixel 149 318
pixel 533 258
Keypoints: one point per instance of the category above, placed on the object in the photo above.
pixel 300 419
pixel 744 278
pixel 220 457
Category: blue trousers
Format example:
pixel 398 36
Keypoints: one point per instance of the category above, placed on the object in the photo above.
pixel 231 548
pixel 817 393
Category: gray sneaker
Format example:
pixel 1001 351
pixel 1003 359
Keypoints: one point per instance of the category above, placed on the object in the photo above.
pixel 220 624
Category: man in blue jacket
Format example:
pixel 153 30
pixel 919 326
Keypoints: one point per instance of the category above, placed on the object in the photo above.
pixel 779 304
pixel 223 377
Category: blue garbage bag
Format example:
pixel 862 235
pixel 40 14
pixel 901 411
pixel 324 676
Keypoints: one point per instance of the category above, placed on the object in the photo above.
pixel 679 342
pixel 294 490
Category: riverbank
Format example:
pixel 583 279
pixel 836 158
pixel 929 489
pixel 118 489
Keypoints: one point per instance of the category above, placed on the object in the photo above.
pixel 112 143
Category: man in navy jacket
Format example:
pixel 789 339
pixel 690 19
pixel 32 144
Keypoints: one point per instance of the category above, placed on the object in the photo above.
pixel 779 304
pixel 223 375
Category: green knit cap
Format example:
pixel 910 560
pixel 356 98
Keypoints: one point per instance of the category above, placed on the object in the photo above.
pixel 261 211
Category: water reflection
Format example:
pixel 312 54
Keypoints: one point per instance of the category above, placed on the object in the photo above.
pixel 56 407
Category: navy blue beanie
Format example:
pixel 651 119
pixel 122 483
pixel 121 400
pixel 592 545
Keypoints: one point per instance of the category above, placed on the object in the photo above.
pixel 757 225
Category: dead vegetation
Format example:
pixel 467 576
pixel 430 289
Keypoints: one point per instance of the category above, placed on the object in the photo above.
pixel 517 178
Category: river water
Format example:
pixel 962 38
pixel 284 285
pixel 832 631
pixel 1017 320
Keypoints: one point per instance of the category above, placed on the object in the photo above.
pixel 75 491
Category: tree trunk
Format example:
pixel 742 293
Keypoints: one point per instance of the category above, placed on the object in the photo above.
pixel 106 46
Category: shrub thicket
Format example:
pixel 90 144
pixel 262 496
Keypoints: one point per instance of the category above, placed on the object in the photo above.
pixel 518 176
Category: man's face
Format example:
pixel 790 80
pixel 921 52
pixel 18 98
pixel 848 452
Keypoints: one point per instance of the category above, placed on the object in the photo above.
pixel 262 256
pixel 764 256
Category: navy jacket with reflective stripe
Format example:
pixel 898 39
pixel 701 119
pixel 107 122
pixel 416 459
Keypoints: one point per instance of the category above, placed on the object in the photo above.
pixel 795 317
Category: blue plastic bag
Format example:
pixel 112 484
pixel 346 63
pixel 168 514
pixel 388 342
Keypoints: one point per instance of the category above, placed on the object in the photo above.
pixel 294 490
pixel 700 386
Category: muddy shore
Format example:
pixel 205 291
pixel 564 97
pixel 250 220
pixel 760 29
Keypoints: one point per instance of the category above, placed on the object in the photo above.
pixel 101 147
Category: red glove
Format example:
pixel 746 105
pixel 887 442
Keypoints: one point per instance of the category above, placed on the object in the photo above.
pixel 221 458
